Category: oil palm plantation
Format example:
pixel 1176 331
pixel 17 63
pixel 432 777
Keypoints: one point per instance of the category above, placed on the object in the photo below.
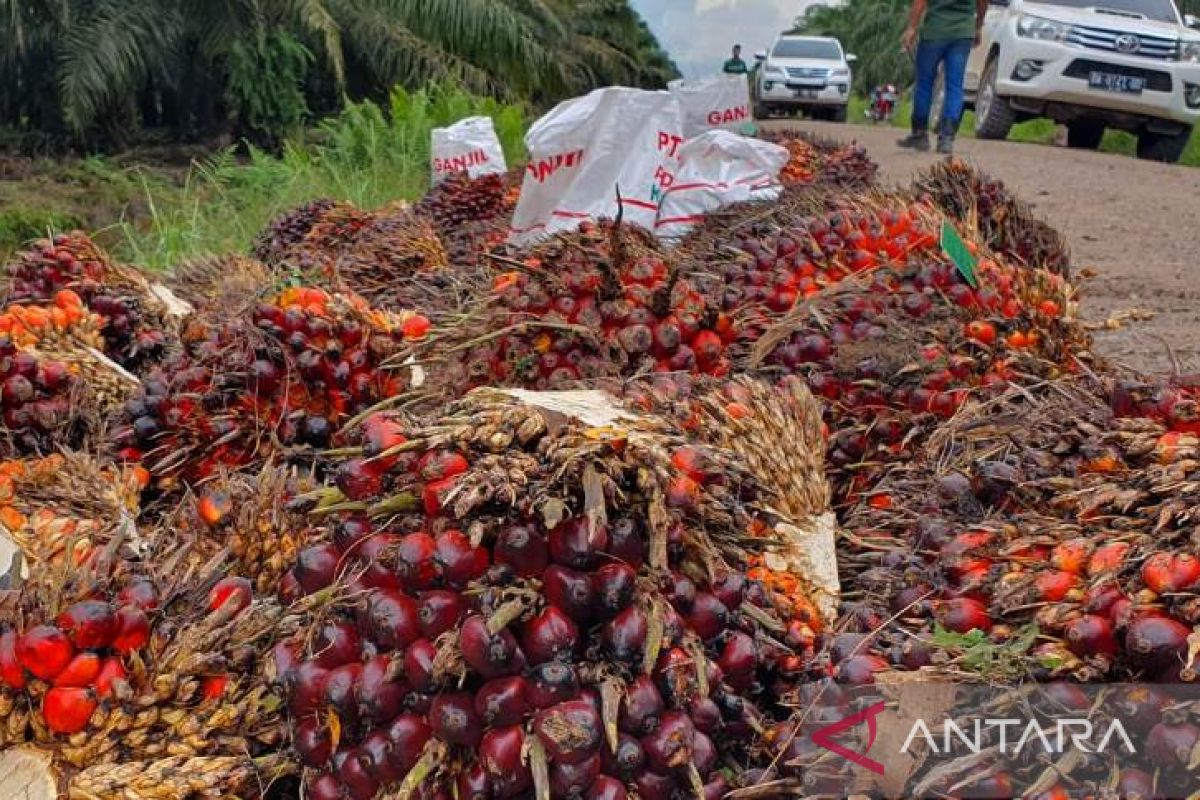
pixel 100 69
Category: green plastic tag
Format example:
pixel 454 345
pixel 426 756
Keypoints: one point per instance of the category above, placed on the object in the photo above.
pixel 749 129
pixel 954 247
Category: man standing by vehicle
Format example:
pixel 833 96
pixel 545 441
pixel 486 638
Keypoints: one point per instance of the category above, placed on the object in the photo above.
pixel 942 33
pixel 735 65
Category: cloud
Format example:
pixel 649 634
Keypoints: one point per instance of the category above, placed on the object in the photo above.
pixel 699 33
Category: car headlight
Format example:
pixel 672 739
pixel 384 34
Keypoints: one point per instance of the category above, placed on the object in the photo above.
pixel 840 73
pixel 1189 51
pixel 1039 28
pixel 773 70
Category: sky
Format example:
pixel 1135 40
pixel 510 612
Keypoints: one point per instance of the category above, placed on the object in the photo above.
pixel 700 33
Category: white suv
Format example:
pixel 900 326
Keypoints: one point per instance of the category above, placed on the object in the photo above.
pixel 1133 65
pixel 803 73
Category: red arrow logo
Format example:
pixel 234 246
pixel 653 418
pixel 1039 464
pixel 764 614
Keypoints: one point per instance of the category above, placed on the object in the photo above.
pixel 824 737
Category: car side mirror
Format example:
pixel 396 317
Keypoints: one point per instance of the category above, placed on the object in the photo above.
pixel 1191 20
pixel 760 56
pixel 851 58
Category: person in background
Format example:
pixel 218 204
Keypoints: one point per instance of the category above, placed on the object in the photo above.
pixel 735 65
pixel 942 33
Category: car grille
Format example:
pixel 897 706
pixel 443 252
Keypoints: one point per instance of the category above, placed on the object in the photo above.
pixel 1083 67
pixel 807 73
pixel 1158 47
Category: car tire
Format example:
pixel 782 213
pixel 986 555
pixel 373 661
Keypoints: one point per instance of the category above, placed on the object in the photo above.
pixel 761 111
pixel 838 114
pixel 1085 134
pixel 1164 147
pixel 994 117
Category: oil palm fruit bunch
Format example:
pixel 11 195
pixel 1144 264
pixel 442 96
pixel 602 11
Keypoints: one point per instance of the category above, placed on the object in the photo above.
pixel 1174 402
pixel 136 322
pixel 817 160
pixel 302 364
pixel 286 231
pixel 472 216
pixel 1007 224
pixel 246 514
pixel 599 301
pixel 61 510
pixel 531 603
pixel 231 284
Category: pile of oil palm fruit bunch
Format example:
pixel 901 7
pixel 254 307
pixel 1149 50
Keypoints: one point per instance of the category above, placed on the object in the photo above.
pixel 388 508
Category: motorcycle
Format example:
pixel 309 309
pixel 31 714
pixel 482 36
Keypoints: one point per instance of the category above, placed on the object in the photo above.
pixel 883 103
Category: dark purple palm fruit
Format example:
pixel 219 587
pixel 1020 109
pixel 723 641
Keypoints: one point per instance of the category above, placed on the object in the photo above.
pixel 503 701
pixel 356 782
pixel 615 585
pixel 550 636
pixel 704 754
pixel 578 542
pixel 570 591
pixel 500 755
pixel 654 785
pixel 571 731
pixel 307 688
pixel 606 787
pixel 624 636
pixel 550 683
pixel 408 734
pixel 341 692
pixel 337 643
pixel 708 616
pixel 375 752
pixel 627 760
pixel 438 611
pixel 681 592
pixel 490 655
pixel 706 716
pixel 312 741
pixel 453 719
pixel 573 780
pixel 390 619
pixel 473 783
pixel 418 665
pixel 672 745
pixel 379 698
pixel 625 541
pixel 641 707
pixel 730 588
pixel 524 548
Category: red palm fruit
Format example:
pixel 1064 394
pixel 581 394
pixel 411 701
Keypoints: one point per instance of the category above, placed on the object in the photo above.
pixel 111 678
pixel 360 479
pixel 572 780
pixel 503 701
pixel 739 658
pixel 337 643
pixel 675 676
pixel 716 788
pixel 500 755
pixel 624 636
pixel 438 465
pixel 681 592
pixel 607 788
pixel 1107 558
pixel 350 532
pixel 641 707
pixel 1170 746
pixel 654 785
pixel 1055 585
pixel 234 591
pixel 289 588
pixel 434 493
pixel 1170 572
pixel 415 564
pixel 550 683
pixel 379 699
pixel 730 588
pixel 667 337
pixel 374 557
pixel 706 716
pixel 88 624
pixel 672 744
pixel 683 493
pixel 995 785
pixel 1072 555
pixel 1091 634
pixel 571 731
pixel 308 688
pixel 707 346
pixel 570 591
pixel 627 760
pixel 524 548
pixel 635 339
pixel 438 611
pixel 380 434
pixel 140 593
pixel 615 584
pixel 12 674
pixel 473 783
pixel 341 691
pixel 1134 784
pixel 312 741
pixel 357 783
pixel 408 733
pixel 691 461
pixel 44 651
pixel 1155 642
pixel 549 636
pixel 625 541
pixel 1101 597
pixel 860 670
pixel 490 655
pixel 316 567
pixel 460 561
pixel 704 754
pixel 375 753
pixel 577 543
pixel 390 618
pixel 82 671
pixel 68 709
pixel 418 664
pixel 963 614
pixel 453 719
pixel 325 787
pixel 708 616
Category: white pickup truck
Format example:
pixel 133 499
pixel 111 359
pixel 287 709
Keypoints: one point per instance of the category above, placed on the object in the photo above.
pixel 1132 65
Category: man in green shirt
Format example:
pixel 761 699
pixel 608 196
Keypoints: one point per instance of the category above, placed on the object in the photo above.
pixel 942 33
pixel 735 65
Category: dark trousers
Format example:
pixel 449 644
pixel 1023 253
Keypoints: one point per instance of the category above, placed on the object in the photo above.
pixel 953 54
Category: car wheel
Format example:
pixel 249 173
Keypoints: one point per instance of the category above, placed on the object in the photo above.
pixel 1163 147
pixel 1084 134
pixel 761 111
pixel 994 117
pixel 838 114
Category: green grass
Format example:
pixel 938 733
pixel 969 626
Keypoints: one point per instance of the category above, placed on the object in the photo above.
pixel 1038 131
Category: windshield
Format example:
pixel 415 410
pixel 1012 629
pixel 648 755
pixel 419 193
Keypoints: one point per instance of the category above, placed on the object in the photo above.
pixel 1158 10
pixel 807 48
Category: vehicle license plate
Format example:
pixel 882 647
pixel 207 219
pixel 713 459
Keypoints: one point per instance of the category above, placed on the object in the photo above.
pixel 1109 82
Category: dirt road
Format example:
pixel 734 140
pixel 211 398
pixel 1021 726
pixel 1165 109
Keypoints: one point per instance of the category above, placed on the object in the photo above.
pixel 1136 225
